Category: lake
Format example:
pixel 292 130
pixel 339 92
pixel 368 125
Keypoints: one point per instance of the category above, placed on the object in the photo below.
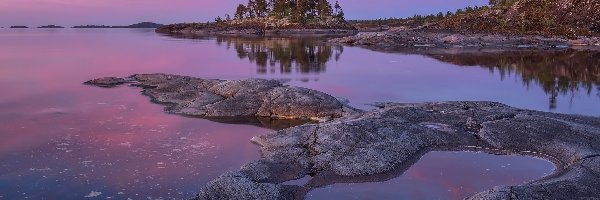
pixel 65 140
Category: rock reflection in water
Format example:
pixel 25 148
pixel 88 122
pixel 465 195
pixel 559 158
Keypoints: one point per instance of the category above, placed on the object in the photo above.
pixel 558 72
pixel 283 55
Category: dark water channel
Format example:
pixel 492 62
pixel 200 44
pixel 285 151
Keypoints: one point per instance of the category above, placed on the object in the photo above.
pixel 65 140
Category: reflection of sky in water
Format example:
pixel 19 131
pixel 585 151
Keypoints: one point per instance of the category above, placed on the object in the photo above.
pixel 444 175
pixel 66 139
pixel 117 143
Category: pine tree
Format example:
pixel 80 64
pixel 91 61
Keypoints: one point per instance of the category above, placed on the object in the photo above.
pixel 279 8
pixel 218 19
pixel 324 8
pixel 312 8
pixel 261 8
pixel 468 9
pixel 301 10
pixel 240 12
pixel 440 16
pixel 251 9
pixel 339 12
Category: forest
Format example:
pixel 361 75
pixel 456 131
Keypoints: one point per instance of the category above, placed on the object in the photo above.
pixel 296 10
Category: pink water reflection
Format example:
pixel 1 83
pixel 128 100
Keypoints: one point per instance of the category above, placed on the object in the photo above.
pixel 62 139
pixel 116 142
pixel 444 175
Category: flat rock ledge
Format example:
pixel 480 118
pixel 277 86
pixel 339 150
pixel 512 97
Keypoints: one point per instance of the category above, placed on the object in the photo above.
pixel 211 98
pixel 445 41
pixel 381 144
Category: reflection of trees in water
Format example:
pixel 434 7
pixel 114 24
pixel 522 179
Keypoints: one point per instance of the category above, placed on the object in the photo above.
pixel 291 55
pixel 558 73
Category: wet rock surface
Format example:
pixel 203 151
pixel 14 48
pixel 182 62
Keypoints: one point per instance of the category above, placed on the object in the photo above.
pixel 356 146
pixel 223 99
pixel 421 40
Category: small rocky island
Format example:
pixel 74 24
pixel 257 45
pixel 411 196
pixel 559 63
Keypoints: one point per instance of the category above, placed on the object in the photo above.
pixel 352 146
pixel 138 25
pixel 282 17
pixel 50 26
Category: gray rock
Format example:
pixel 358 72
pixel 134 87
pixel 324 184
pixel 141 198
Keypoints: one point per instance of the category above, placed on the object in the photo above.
pixel 233 99
pixel 381 144
pixel 108 82
pixel 358 146
pixel 440 41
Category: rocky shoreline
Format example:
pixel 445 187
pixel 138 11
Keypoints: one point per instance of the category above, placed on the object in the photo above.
pixel 440 41
pixel 350 145
pixel 265 26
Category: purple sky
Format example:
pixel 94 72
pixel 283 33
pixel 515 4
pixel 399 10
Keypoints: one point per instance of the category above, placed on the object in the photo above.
pixel 123 12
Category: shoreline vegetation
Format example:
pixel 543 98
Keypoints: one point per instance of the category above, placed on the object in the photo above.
pixel 274 17
pixel 502 25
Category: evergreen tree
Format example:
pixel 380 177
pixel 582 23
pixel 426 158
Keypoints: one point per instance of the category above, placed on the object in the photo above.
pixel 261 8
pixel 279 8
pixel 324 8
pixel 440 16
pixel 240 12
pixel 459 11
pixel 312 8
pixel 468 9
pixel 251 9
pixel 301 10
pixel 218 19
pixel 339 12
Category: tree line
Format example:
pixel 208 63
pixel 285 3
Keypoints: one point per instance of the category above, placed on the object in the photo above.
pixel 423 19
pixel 297 10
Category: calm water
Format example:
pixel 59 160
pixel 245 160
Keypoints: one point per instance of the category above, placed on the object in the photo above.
pixel 443 175
pixel 61 139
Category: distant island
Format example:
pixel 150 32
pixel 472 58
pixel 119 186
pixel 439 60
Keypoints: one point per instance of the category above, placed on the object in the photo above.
pixel 19 27
pixel 138 25
pixel 50 26
pixel 259 17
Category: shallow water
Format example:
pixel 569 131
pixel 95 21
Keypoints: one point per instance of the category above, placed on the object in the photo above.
pixel 61 139
pixel 444 175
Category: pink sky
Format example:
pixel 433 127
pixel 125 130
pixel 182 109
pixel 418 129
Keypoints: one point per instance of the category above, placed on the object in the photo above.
pixel 123 12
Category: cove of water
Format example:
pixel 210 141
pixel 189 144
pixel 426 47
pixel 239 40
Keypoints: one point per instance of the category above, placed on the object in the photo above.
pixel 65 140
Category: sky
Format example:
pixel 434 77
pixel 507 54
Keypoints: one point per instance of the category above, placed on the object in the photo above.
pixel 125 12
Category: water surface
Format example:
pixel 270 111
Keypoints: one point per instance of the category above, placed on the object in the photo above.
pixel 61 139
pixel 444 175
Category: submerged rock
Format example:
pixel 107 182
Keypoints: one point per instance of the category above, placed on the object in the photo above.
pixel 358 146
